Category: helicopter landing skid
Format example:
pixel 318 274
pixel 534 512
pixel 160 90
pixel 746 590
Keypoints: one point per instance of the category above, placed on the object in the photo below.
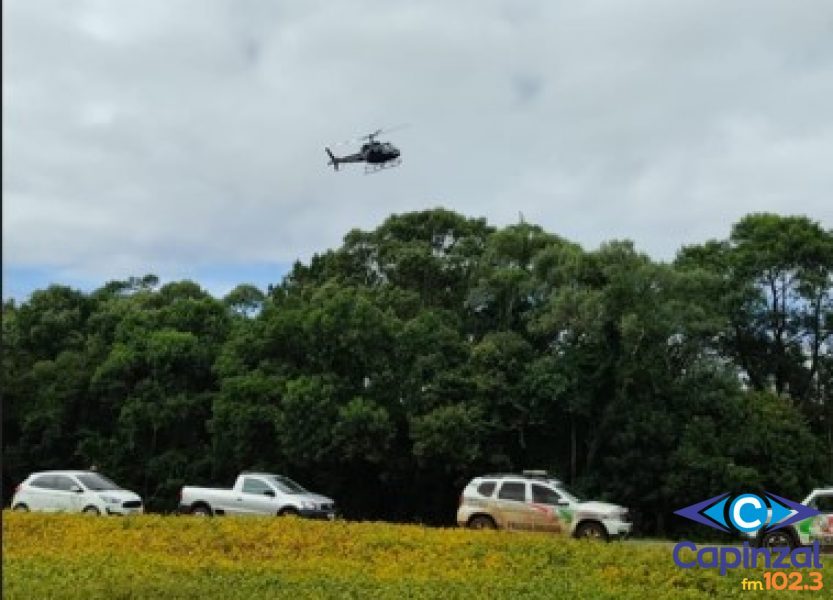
pixel 375 168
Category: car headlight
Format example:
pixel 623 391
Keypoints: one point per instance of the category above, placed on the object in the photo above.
pixel 308 505
pixel 110 500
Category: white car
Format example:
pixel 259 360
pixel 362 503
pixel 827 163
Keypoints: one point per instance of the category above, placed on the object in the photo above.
pixel 75 491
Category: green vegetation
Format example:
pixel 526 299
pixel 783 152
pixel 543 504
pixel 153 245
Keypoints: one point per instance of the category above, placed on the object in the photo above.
pixel 72 556
pixel 387 372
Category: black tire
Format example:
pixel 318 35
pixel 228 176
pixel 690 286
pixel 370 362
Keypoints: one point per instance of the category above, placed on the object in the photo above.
pixel 201 510
pixel 482 522
pixel 20 507
pixel 288 512
pixel 591 530
pixel 91 511
pixel 779 538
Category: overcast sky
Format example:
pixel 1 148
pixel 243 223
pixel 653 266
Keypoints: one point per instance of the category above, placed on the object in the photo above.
pixel 185 137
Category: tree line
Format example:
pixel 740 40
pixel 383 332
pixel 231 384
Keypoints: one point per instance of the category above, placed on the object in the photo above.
pixel 389 371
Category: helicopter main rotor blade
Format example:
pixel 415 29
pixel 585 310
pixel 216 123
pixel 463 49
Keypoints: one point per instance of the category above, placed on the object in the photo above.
pixel 394 128
pixel 372 135
pixel 345 142
pixel 361 138
pixel 379 132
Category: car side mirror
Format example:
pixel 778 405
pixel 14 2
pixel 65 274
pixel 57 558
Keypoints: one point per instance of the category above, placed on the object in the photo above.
pixel 76 488
pixel 269 493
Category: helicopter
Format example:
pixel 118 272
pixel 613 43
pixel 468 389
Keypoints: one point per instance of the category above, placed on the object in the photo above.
pixel 377 155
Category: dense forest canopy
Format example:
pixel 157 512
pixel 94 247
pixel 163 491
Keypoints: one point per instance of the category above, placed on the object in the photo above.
pixel 434 348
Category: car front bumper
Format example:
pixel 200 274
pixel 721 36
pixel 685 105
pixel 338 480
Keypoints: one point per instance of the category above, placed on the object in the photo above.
pixel 122 512
pixel 324 515
pixel 618 529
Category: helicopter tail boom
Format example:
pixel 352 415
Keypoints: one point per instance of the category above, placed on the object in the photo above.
pixel 333 159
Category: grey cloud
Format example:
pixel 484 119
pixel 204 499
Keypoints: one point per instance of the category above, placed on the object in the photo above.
pixel 144 133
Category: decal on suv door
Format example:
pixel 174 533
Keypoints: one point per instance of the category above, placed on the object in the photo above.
pixel 820 527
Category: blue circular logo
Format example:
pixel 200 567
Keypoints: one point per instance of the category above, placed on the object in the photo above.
pixel 748 513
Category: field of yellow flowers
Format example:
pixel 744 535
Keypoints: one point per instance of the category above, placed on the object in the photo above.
pixel 73 556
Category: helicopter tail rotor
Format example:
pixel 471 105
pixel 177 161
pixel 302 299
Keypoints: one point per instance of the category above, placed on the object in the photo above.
pixel 333 159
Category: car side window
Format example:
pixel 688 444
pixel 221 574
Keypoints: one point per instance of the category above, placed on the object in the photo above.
pixel 823 504
pixel 544 495
pixel 63 483
pixel 486 489
pixel 254 486
pixel 512 490
pixel 43 481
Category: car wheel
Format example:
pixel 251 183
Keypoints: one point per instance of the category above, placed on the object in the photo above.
pixel 482 522
pixel 591 530
pixel 288 512
pixel 778 539
pixel 92 511
pixel 201 510
pixel 20 508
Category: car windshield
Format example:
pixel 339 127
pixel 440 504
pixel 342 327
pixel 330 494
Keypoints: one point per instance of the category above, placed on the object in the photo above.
pixel 566 493
pixel 287 486
pixel 96 482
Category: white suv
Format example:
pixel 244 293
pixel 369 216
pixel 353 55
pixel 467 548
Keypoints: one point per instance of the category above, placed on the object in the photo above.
pixel 74 491
pixel 534 501
pixel 813 529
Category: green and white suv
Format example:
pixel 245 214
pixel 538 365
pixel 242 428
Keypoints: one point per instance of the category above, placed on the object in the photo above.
pixel 814 529
pixel 534 501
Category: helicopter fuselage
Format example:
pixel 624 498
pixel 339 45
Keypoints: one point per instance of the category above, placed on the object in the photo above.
pixel 379 152
pixel 377 155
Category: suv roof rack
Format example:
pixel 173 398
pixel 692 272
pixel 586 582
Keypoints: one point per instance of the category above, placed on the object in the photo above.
pixel 528 474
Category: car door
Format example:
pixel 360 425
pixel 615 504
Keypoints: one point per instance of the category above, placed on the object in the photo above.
pixel 821 526
pixel 257 497
pixel 512 508
pixel 39 493
pixel 64 499
pixel 545 502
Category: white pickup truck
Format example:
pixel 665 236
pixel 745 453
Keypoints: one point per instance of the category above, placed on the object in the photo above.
pixel 257 494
